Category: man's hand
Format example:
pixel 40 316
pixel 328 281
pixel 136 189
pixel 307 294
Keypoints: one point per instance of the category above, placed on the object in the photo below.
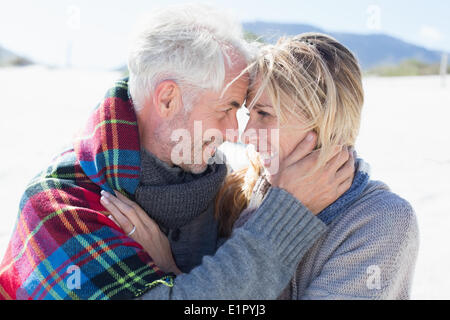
pixel 321 188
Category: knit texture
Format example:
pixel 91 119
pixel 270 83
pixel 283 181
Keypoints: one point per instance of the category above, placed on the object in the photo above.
pixel 368 251
pixel 62 232
pixel 359 183
pixel 284 230
pixel 174 197
pixel 182 204
pixel 257 261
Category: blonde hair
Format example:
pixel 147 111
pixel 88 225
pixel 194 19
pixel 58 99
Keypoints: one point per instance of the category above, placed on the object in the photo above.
pixel 313 78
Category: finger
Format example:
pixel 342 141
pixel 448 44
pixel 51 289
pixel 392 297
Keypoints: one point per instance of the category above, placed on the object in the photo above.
pixel 119 218
pixel 338 160
pixel 123 198
pixel 311 159
pixel 133 214
pixel 347 170
pixel 344 186
pixel 139 214
pixel 111 217
pixel 336 150
pixel 124 208
pixel 305 147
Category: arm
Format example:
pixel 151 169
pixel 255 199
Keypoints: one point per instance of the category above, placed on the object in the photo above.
pixel 258 261
pixel 375 257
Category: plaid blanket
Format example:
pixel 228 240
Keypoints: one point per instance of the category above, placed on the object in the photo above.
pixel 63 246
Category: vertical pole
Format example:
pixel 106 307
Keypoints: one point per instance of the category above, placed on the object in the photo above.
pixel 444 69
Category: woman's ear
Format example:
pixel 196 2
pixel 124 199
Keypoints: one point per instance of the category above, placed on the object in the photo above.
pixel 167 99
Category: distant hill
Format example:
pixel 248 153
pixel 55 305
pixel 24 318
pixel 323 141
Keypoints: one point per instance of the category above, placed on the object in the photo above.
pixel 372 50
pixel 7 59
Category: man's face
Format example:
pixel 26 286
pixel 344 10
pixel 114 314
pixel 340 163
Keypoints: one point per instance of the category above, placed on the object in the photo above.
pixel 211 121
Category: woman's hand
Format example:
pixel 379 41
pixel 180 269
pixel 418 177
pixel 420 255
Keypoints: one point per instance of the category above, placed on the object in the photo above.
pixel 321 188
pixel 141 228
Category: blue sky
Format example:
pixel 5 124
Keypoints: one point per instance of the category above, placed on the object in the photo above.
pixel 44 30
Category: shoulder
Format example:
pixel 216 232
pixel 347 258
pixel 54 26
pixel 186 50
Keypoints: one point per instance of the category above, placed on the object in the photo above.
pixel 378 203
pixel 375 239
pixel 61 183
pixel 378 216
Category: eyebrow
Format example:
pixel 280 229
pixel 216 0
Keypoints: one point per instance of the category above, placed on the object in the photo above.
pixel 260 105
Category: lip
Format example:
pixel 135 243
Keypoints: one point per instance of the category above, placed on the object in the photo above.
pixel 268 158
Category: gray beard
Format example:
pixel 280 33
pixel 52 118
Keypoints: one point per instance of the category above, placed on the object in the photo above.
pixel 165 145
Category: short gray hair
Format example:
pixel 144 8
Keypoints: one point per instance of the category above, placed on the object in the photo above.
pixel 188 44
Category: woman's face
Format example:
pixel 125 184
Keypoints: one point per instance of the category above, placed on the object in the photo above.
pixel 268 136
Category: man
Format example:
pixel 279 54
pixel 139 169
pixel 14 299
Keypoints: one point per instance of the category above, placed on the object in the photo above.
pixel 186 73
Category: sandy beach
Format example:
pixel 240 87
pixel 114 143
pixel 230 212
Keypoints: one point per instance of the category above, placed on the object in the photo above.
pixel 405 137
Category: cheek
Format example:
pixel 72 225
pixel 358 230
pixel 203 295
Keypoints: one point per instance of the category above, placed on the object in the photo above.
pixel 267 139
pixel 213 131
pixel 288 141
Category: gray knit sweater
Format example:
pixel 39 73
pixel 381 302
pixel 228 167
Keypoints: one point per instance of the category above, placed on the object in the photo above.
pixel 368 252
pixel 257 262
pixel 283 251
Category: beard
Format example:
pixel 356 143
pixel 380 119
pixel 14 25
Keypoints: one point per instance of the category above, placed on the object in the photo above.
pixel 191 154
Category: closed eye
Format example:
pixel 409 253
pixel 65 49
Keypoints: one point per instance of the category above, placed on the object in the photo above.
pixel 262 113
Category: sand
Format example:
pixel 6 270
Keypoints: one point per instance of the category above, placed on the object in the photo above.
pixel 405 136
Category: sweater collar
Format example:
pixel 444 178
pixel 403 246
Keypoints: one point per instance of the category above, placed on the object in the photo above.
pixel 173 197
pixel 360 182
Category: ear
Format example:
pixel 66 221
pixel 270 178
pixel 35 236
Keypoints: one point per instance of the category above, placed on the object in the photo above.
pixel 167 99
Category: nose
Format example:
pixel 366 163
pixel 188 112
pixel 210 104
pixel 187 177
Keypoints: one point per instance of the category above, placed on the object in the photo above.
pixel 234 124
pixel 231 130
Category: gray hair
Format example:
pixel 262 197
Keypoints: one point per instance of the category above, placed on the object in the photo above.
pixel 189 44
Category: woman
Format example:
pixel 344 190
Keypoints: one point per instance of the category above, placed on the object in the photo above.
pixel 313 83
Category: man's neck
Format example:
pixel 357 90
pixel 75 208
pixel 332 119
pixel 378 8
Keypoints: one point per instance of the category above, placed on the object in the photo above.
pixel 150 142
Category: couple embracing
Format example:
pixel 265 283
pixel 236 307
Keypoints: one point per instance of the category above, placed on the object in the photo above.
pixel 120 216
